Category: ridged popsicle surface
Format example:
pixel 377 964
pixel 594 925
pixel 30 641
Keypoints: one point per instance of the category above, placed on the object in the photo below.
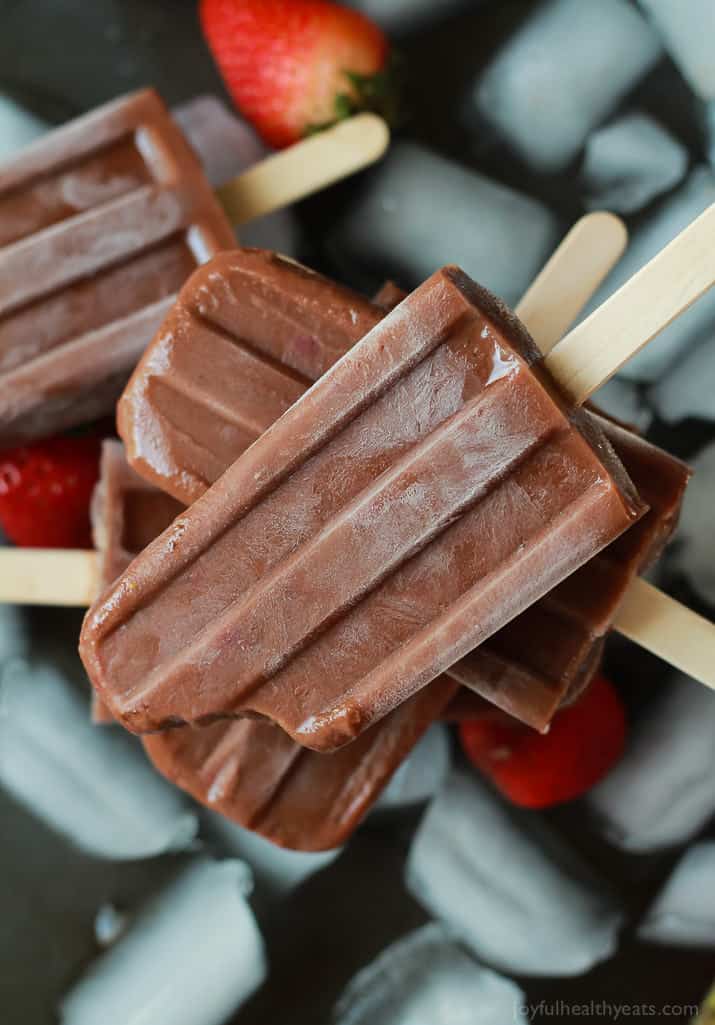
pixel 426 491
pixel 101 222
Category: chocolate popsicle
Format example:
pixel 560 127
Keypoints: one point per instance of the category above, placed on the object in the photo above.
pixel 127 515
pixel 322 598
pixel 101 222
pixel 244 342
pixel 179 420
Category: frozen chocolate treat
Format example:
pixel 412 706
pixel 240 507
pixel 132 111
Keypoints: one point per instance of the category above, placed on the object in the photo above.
pixel 101 222
pixel 250 333
pixel 127 514
pixel 430 487
pixel 531 665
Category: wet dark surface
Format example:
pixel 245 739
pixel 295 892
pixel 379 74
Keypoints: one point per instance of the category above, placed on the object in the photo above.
pixel 61 58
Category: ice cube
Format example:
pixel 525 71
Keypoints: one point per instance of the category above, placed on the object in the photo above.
pixel 625 401
pixel 692 554
pixel 629 162
pixel 683 914
pixel 425 978
pixel 18 127
pixel 660 227
pixel 562 73
pixel 228 145
pixel 403 16
pixel 422 774
pixel 688 389
pixel 94 786
pixel 515 895
pixel 419 210
pixel 661 793
pixel 687 30
pixel 192 957
pixel 277 871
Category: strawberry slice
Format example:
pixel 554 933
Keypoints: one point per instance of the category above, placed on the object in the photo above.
pixel 294 66
pixel 537 770
pixel 45 491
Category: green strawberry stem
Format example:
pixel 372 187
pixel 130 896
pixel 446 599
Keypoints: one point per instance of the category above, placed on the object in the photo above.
pixel 380 93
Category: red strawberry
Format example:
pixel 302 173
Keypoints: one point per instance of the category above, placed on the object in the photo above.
pixel 537 770
pixel 45 490
pixel 295 65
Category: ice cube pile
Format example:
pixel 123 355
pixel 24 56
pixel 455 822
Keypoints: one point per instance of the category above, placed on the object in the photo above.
pixel 483 903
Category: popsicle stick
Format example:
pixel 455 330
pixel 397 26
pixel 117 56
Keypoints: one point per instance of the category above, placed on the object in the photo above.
pixel 673 280
pixel 648 617
pixel 305 168
pixel 581 263
pixel 48 576
pixel 669 630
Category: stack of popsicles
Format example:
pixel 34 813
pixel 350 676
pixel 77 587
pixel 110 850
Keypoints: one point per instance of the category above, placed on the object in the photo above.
pixel 340 547
pixel 435 511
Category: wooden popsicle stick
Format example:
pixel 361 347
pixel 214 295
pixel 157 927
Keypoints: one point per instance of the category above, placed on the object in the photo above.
pixel 647 616
pixel 669 630
pixel 571 277
pixel 673 280
pixel 48 576
pixel 305 168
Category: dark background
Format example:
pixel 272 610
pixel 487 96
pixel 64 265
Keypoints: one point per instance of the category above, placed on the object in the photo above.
pixel 62 57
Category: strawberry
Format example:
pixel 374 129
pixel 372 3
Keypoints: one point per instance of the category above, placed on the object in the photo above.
pixel 45 491
pixel 537 770
pixel 294 66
